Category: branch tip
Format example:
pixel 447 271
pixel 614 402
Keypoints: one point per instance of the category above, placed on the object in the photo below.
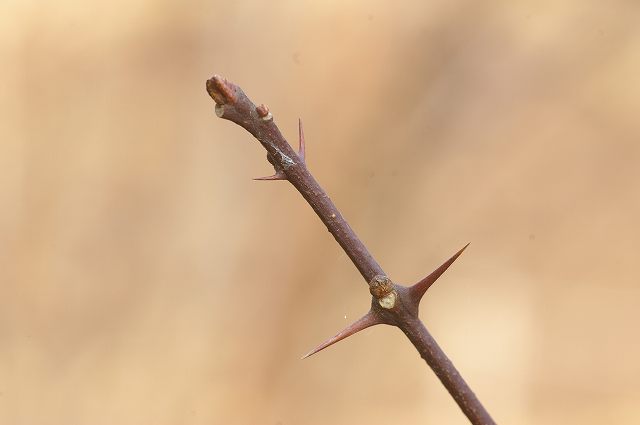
pixel 221 90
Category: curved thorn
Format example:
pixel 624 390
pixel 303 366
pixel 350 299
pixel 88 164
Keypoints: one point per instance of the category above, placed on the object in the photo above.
pixel 301 149
pixel 417 291
pixel 277 176
pixel 363 323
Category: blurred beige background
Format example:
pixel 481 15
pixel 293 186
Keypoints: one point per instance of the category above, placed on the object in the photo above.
pixel 146 279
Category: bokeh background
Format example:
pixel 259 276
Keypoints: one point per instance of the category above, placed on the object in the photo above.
pixel 146 279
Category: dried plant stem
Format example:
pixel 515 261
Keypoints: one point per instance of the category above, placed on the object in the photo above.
pixel 391 304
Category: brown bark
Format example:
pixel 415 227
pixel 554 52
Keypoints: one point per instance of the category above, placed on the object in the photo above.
pixel 391 304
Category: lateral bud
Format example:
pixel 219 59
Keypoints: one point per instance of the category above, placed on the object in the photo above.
pixel 263 112
pixel 383 289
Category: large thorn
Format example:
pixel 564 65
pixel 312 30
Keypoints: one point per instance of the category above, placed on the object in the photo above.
pixel 417 291
pixel 363 323
pixel 277 176
pixel 301 149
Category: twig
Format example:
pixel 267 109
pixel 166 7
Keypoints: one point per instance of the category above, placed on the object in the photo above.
pixel 391 304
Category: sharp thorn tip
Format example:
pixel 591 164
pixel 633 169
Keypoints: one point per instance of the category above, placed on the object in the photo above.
pixel 276 176
pixel 301 144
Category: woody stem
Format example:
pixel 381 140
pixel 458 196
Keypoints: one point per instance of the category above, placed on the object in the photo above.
pixel 232 104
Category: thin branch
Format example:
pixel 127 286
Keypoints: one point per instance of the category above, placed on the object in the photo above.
pixel 391 304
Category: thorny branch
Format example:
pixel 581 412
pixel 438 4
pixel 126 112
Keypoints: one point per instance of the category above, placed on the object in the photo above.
pixel 391 304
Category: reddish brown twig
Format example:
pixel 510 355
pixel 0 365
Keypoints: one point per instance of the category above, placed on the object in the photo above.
pixel 391 304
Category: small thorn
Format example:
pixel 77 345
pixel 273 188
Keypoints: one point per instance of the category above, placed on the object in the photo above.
pixel 277 176
pixel 301 148
pixel 363 323
pixel 419 289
